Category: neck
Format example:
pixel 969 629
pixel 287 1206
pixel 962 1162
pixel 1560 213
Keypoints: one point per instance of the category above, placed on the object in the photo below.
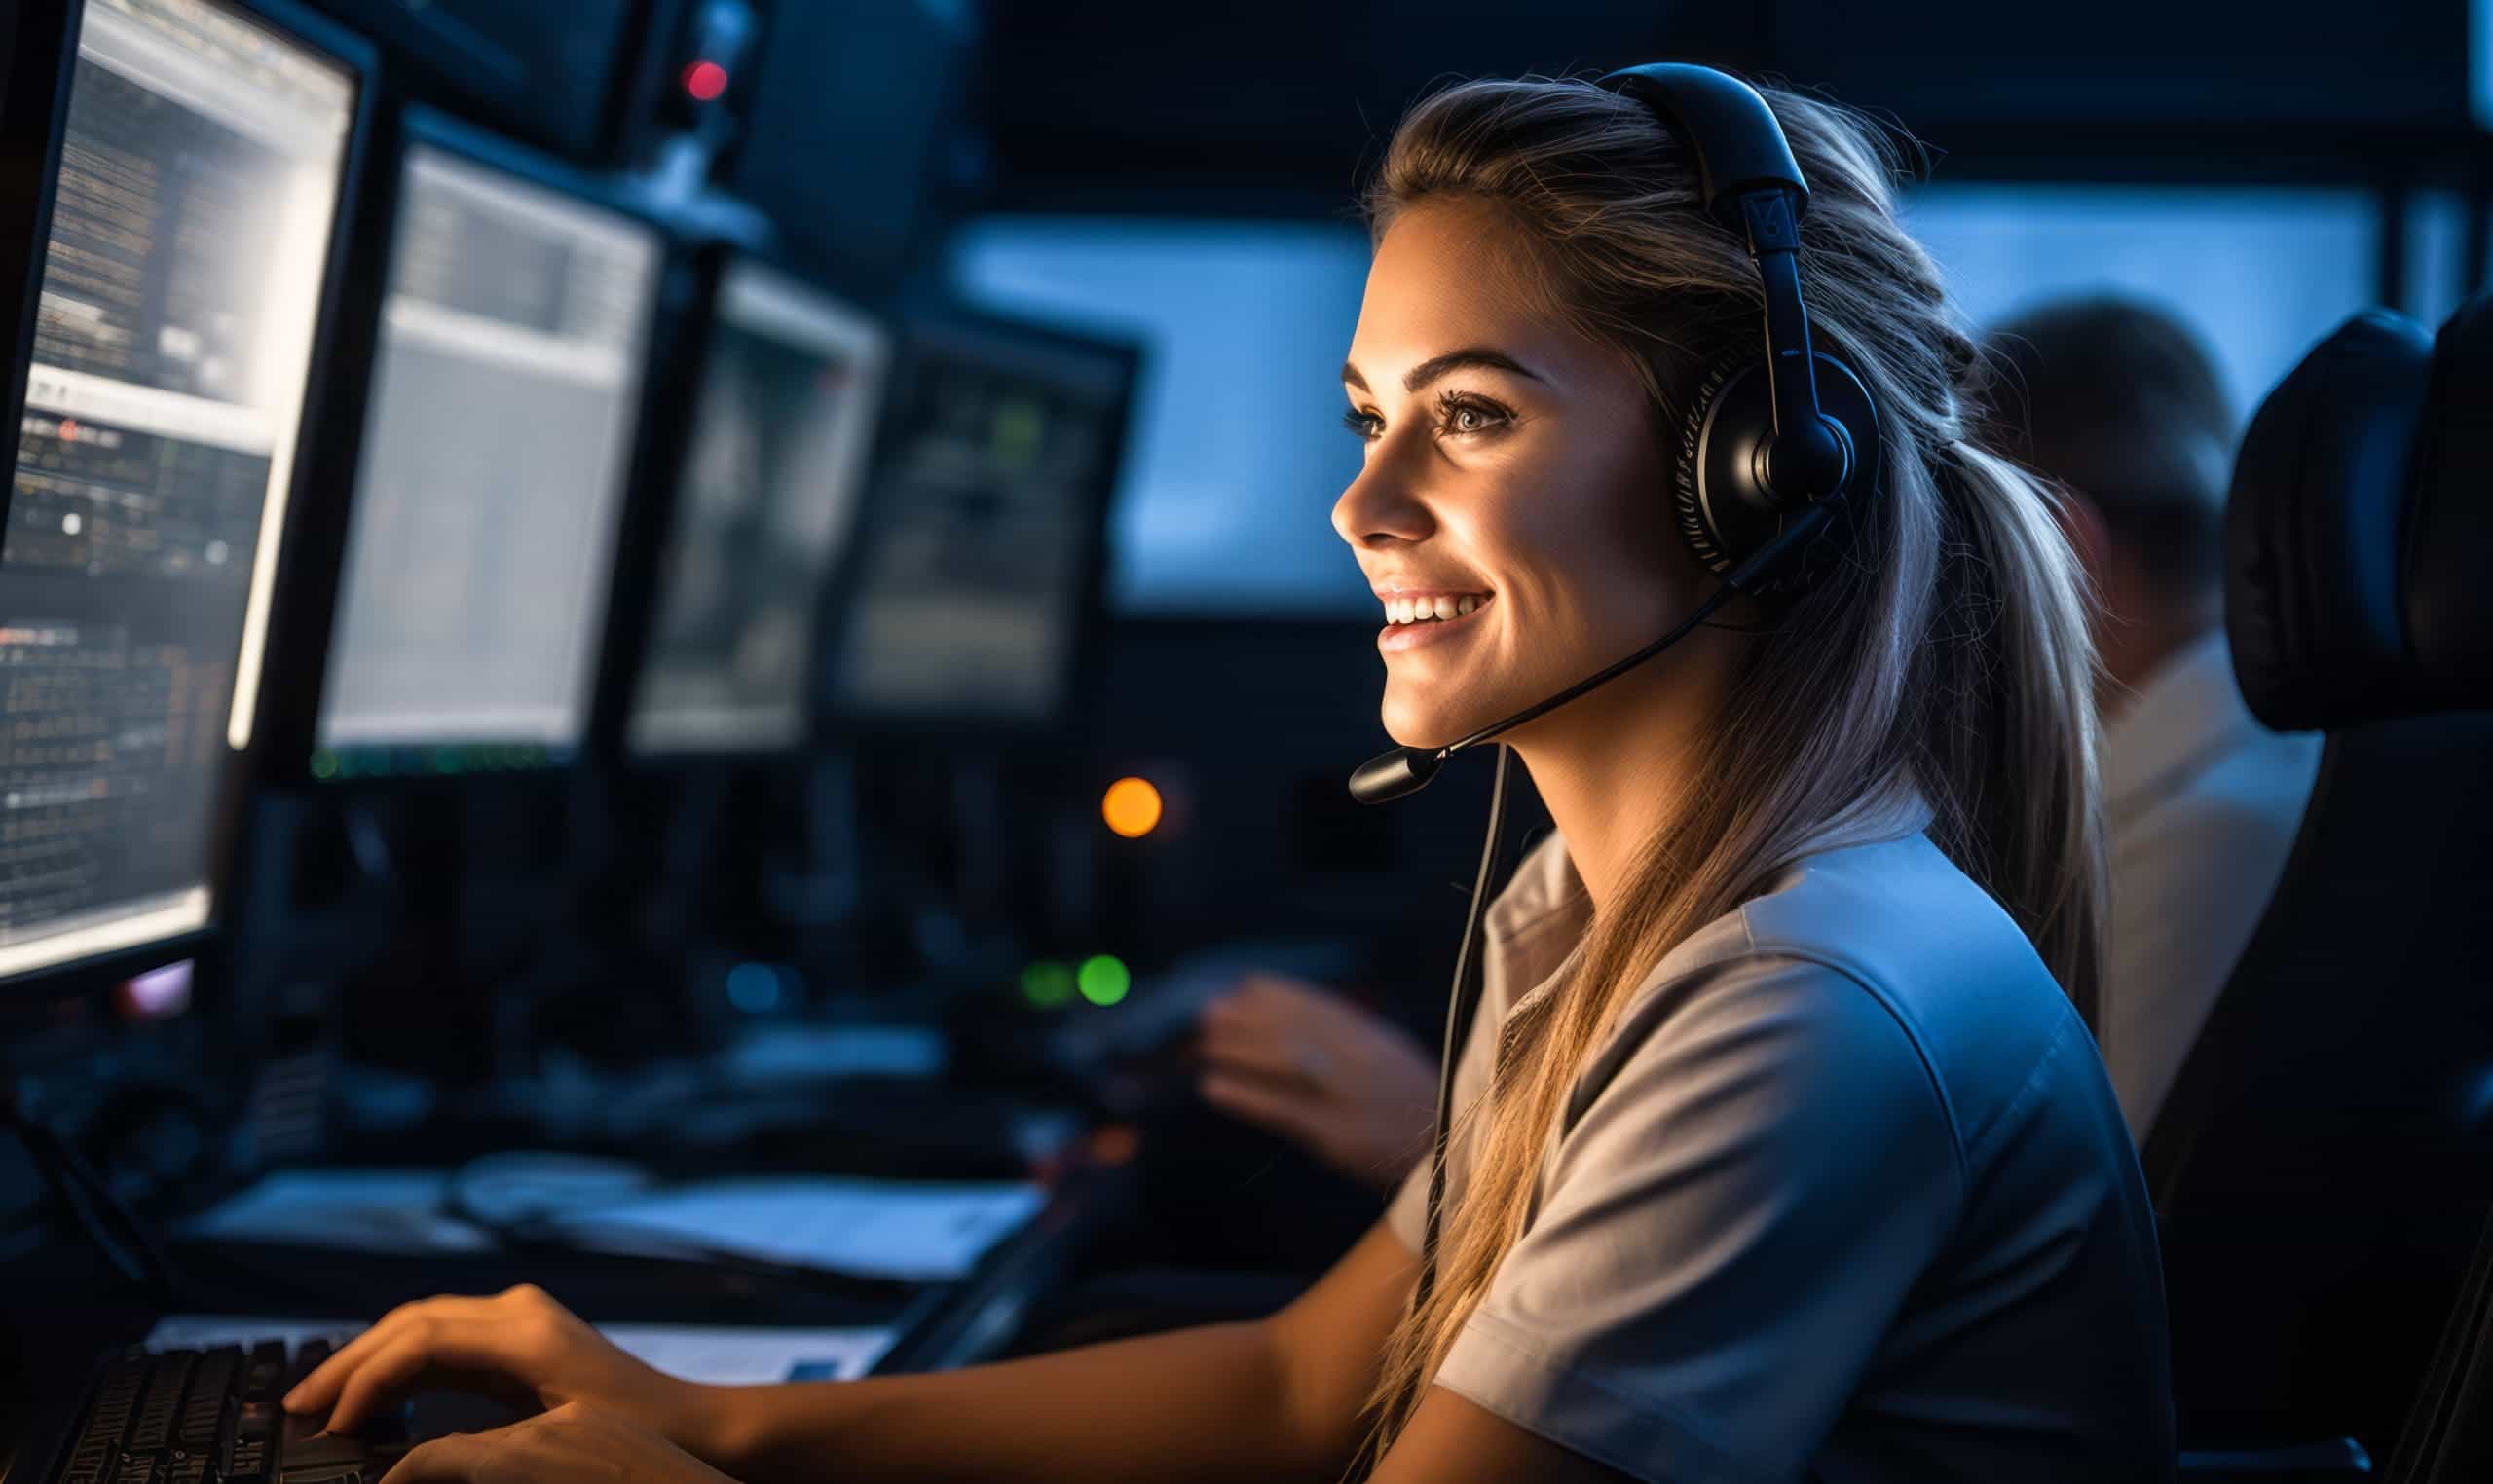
pixel 1612 766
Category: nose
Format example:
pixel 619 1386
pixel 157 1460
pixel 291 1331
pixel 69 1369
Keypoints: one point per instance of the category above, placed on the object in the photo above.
pixel 1379 508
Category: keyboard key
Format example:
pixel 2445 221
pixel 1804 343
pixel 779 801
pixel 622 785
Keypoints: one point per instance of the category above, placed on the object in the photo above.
pixel 161 1403
pixel 211 1395
pixel 245 1460
pixel 116 1397
pixel 267 1368
pixel 323 1452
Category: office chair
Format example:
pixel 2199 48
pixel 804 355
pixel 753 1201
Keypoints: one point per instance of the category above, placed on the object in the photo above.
pixel 2324 1165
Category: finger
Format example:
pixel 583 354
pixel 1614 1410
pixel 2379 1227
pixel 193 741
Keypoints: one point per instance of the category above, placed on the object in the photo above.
pixel 422 1343
pixel 1259 1055
pixel 1275 1106
pixel 1280 991
pixel 317 1390
pixel 453 1460
pixel 397 1365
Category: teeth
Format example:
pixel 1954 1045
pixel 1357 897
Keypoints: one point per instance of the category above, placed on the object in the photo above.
pixel 1427 610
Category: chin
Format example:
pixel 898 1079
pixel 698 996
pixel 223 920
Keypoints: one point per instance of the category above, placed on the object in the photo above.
pixel 1420 721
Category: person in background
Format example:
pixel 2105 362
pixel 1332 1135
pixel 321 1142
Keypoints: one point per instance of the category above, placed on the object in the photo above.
pixel 1345 1084
pixel 2119 403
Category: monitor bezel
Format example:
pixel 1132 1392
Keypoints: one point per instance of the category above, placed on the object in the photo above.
pixel 305 617
pixel 838 725
pixel 38 82
pixel 633 616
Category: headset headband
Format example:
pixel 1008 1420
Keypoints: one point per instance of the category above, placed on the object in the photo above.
pixel 1753 186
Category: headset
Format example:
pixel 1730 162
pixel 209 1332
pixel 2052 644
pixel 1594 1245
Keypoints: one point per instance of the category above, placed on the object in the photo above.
pixel 1769 450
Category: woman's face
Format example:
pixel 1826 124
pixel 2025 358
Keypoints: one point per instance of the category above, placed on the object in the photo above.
pixel 1513 479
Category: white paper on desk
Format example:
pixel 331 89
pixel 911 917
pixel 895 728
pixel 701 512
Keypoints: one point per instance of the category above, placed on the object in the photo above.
pixel 752 1356
pixel 207 1331
pixel 365 1210
pixel 718 1355
pixel 912 1231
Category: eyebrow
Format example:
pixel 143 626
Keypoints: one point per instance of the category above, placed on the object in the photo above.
pixel 1469 358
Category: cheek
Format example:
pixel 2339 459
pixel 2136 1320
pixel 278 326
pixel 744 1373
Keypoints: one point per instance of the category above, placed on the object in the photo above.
pixel 1599 556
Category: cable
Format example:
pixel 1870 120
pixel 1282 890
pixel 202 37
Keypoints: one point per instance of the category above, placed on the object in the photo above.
pixel 89 1197
pixel 1463 1003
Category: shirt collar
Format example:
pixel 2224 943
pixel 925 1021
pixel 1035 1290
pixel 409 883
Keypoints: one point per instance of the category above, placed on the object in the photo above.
pixel 2189 706
pixel 1536 924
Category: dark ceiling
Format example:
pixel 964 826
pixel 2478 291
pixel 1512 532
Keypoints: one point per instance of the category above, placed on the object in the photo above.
pixel 1151 106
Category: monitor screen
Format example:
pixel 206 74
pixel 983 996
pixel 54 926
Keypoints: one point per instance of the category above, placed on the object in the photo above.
pixel 497 445
pixel 1229 516
pixel 780 434
pixel 192 221
pixel 981 542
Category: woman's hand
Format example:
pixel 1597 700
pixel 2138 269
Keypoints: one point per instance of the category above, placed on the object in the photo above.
pixel 1319 1070
pixel 518 1345
pixel 571 1442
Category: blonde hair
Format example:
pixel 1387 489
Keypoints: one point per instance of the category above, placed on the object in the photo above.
pixel 1948 655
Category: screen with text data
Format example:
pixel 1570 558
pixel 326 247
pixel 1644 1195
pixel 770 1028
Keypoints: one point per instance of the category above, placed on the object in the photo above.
pixel 496 451
pixel 768 494
pixel 192 220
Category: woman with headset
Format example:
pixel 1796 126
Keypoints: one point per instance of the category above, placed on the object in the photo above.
pixel 1777 1146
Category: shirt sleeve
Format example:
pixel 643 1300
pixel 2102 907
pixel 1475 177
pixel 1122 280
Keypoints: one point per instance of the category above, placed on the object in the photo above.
pixel 1733 1221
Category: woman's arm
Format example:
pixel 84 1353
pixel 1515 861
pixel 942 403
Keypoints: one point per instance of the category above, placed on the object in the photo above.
pixel 1275 1399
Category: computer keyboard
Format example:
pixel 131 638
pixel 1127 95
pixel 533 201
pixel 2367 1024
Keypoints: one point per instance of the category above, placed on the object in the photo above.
pixel 211 1417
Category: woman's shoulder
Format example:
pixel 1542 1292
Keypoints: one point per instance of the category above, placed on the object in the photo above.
pixel 1894 930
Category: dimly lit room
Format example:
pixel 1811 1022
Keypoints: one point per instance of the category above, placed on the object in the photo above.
pixel 807 740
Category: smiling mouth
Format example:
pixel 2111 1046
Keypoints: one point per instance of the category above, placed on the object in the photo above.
pixel 1410 622
pixel 1432 607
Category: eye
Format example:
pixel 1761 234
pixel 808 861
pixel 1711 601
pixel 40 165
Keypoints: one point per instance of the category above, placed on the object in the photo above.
pixel 1367 425
pixel 1468 414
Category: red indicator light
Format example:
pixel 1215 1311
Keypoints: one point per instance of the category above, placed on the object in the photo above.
pixel 705 81
pixel 69 430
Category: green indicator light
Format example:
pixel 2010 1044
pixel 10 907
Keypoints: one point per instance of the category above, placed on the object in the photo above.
pixel 324 763
pixel 1104 980
pixel 1048 985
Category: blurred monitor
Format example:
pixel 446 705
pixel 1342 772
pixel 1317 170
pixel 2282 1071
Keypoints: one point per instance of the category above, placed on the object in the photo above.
pixel 553 72
pixel 1227 516
pixel 781 431
pixel 192 234
pixel 889 71
pixel 977 567
pixel 497 445
pixel 2260 271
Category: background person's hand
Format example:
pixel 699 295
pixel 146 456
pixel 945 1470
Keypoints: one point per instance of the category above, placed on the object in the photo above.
pixel 1319 1070
pixel 519 1347
pixel 571 1442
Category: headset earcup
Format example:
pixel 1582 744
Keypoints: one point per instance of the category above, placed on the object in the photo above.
pixel 1722 511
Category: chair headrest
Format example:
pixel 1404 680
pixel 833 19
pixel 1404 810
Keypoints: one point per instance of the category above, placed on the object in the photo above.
pixel 2359 536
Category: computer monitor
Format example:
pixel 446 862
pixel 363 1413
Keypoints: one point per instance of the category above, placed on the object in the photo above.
pixel 782 425
pixel 204 155
pixel 497 442
pixel 977 568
